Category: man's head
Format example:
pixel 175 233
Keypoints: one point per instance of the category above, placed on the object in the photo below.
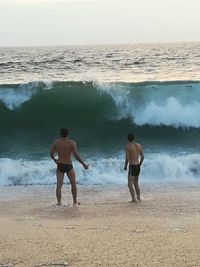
pixel 131 137
pixel 64 132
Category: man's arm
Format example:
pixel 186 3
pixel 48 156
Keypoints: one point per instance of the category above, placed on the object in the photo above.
pixel 127 158
pixel 52 152
pixel 78 158
pixel 141 153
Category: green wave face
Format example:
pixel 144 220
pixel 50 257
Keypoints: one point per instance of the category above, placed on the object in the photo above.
pixel 99 116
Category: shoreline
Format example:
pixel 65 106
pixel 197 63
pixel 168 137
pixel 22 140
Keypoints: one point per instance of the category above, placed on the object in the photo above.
pixel 105 230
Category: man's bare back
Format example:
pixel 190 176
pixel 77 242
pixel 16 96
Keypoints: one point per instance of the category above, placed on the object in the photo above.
pixel 133 151
pixel 64 148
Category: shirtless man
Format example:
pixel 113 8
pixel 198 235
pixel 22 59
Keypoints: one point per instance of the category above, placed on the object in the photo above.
pixel 64 148
pixel 135 157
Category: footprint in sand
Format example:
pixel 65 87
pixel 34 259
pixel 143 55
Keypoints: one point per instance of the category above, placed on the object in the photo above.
pixel 59 263
pixel 176 228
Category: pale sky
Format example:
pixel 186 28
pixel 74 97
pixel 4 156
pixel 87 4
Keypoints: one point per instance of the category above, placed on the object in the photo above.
pixel 76 22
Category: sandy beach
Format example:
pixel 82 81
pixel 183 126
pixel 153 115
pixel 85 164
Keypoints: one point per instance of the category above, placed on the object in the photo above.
pixel 163 230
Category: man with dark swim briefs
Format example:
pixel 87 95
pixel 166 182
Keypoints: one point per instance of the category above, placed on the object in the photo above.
pixel 64 148
pixel 135 157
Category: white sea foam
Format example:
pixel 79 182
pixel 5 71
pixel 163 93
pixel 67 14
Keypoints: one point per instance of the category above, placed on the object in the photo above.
pixel 156 167
pixel 172 113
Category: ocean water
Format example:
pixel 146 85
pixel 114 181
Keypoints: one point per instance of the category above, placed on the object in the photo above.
pixel 100 93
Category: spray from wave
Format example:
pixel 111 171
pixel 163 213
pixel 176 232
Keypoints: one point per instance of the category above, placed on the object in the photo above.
pixel 171 103
pixel 14 96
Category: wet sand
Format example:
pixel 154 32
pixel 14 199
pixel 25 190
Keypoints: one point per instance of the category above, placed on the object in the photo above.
pixel 162 230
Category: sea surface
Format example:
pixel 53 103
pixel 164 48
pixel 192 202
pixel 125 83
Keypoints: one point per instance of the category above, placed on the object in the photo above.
pixel 100 93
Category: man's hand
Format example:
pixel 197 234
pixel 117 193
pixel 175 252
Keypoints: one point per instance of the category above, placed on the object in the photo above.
pixel 85 166
pixel 126 164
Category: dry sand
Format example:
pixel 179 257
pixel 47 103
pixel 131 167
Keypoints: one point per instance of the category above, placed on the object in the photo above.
pixel 106 230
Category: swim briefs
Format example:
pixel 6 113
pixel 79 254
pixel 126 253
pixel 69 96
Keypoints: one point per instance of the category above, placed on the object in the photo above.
pixel 65 168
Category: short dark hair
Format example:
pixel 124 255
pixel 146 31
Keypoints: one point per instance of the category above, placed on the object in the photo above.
pixel 131 137
pixel 64 132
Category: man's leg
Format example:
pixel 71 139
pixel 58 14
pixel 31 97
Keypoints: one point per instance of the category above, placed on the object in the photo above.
pixel 137 189
pixel 60 176
pixel 131 189
pixel 72 179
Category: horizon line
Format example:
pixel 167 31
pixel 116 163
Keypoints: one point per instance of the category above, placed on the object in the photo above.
pixel 99 44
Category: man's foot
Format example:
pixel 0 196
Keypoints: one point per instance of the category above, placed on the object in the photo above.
pixel 133 201
pixel 78 203
pixel 58 204
pixel 138 198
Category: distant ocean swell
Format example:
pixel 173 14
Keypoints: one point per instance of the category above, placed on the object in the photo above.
pixel 174 104
pixel 156 167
